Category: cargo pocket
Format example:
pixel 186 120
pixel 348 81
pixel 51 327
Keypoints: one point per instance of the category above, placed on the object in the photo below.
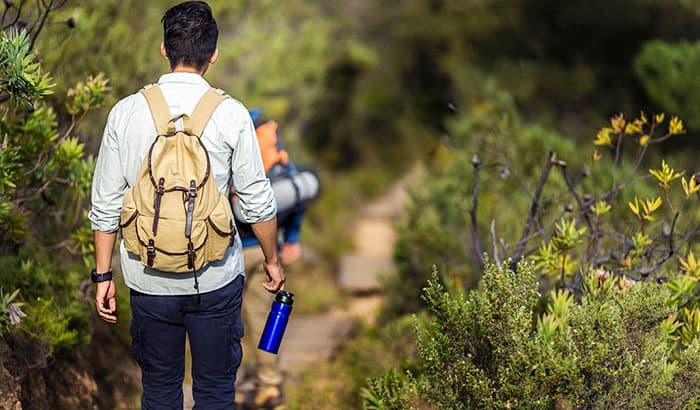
pixel 137 344
pixel 235 343
pixel 221 230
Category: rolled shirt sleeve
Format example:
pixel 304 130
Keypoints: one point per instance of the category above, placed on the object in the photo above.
pixel 108 183
pixel 253 188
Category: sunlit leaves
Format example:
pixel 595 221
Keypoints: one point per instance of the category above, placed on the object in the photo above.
pixel 690 186
pixel 639 128
pixel 618 123
pixel 691 326
pixel 601 208
pixel 666 175
pixel 566 235
pixel 21 78
pixel 41 164
pixel 675 127
pixel 689 265
pixel 604 137
pixel 86 95
pixel 643 209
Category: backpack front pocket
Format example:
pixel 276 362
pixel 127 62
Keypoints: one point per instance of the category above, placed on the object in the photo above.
pixel 169 250
pixel 127 223
pixel 221 231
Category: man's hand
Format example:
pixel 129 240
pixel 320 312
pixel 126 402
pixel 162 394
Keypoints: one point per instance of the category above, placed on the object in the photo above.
pixel 276 277
pixel 290 252
pixel 105 301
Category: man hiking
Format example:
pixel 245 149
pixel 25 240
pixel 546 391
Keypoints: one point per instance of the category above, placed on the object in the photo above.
pixel 168 155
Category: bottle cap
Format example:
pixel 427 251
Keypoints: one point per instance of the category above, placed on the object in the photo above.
pixel 285 297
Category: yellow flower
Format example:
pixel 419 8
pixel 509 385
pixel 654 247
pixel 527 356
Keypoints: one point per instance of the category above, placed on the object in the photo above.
pixel 600 208
pixel 659 118
pixel 603 137
pixel 675 127
pixel 689 264
pixel 634 127
pixel 643 117
pixel 645 208
pixel 690 186
pixel 618 123
pixel 635 207
pixel 650 206
pixel 596 155
pixel 644 140
pixel 666 175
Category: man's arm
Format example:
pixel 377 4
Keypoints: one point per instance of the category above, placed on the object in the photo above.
pixel 266 234
pixel 108 186
pixel 106 291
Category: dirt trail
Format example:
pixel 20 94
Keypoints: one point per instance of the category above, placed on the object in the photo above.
pixel 359 276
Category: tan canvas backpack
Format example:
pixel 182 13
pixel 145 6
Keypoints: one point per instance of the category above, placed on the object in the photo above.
pixel 174 218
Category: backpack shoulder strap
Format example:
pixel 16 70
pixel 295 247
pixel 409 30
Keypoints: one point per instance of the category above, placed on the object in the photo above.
pixel 205 108
pixel 159 107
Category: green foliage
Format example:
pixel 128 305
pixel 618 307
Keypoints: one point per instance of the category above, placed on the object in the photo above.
pixel 22 80
pixel 40 165
pixel 668 72
pixel 386 393
pixel 44 176
pixel 53 300
pixel 495 348
pixel 271 55
pixel 46 322
pixel 435 227
pixel 10 313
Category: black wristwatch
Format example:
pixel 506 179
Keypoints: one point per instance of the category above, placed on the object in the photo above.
pixel 100 277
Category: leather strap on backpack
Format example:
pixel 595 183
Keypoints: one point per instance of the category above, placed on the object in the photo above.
pixel 205 108
pixel 159 107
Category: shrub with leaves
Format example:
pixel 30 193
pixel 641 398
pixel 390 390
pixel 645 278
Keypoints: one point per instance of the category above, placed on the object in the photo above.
pixel 44 177
pixel 570 214
pixel 495 348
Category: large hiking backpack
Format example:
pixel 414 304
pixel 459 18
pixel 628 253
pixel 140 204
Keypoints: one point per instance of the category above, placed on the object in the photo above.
pixel 292 186
pixel 174 217
pixel 269 146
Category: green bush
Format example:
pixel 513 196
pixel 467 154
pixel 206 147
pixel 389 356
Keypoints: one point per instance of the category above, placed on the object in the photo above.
pixel 497 348
pixel 44 177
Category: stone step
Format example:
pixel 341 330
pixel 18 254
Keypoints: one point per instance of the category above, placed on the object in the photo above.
pixel 311 340
pixel 372 237
pixel 360 273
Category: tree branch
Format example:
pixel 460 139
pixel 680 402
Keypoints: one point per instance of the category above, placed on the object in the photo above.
pixel 496 258
pixel 476 244
pixel 533 208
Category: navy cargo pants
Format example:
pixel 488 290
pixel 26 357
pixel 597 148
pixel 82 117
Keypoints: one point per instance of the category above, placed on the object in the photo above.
pixel 213 323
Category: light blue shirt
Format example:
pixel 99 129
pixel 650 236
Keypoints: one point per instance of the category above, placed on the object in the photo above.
pixel 229 138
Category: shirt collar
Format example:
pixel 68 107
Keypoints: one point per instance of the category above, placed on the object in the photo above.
pixel 180 77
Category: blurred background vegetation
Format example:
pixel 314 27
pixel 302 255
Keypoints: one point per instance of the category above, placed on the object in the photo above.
pixel 364 91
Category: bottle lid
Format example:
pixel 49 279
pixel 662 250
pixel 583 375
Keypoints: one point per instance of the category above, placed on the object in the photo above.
pixel 285 297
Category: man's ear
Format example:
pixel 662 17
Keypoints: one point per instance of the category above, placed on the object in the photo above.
pixel 162 50
pixel 214 56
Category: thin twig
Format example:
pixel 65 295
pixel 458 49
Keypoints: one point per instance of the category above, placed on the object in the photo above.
pixel 476 245
pixel 496 258
pixel 572 189
pixel 533 208
pixel 42 21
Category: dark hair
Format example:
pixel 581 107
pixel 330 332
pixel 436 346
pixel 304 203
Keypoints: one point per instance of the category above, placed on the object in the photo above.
pixel 189 34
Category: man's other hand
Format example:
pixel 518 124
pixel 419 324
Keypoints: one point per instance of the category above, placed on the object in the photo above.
pixel 105 301
pixel 275 276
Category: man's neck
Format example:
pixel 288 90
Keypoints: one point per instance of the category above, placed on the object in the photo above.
pixel 188 69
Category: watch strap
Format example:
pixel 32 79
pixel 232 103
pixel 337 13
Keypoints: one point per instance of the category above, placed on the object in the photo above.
pixel 100 277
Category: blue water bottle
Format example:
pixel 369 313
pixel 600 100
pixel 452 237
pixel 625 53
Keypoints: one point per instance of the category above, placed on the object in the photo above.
pixel 276 322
